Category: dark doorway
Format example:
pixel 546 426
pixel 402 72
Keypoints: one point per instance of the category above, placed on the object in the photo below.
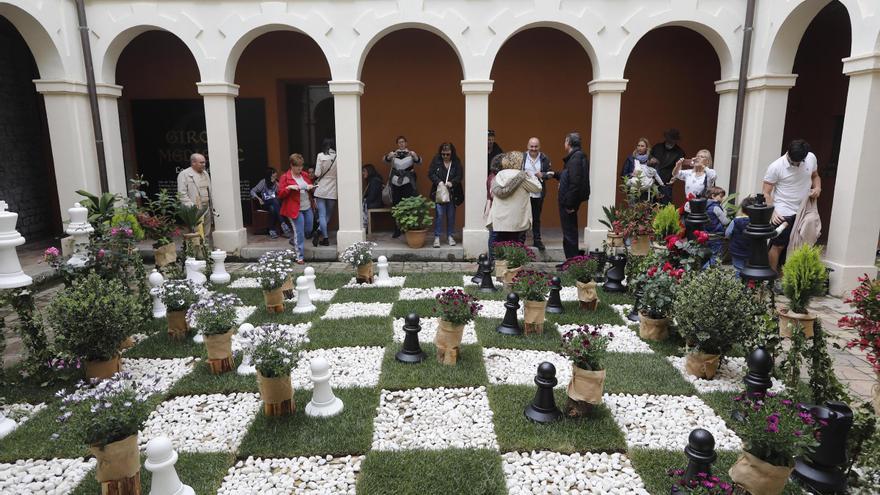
pixel 310 119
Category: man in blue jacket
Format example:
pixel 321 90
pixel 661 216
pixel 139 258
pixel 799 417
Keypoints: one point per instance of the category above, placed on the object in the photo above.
pixel 574 189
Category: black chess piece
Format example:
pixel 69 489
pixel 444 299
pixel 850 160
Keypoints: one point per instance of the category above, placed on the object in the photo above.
pixel 700 452
pixel 696 219
pixel 634 312
pixel 758 231
pixel 543 407
pixel 478 277
pixel 510 324
pixel 757 380
pixel 601 258
pixel 616 274
pixel 823 471
pixel 554 302
pixel 412 352
pixel 487 281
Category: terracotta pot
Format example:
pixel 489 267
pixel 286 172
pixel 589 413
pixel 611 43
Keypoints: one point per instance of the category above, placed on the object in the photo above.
pixel 103 369
pixel 416 238
pixel 533 316
pixel 615 240
pixel 653 328
pixel 586 385
pixel 757 476
pixel 118 461
pixel 274 299
pixel 702 365
pixel 165 255
pixel 448 334
pixel 587 294
pixel 788 321
pixel 365 274
pixel 275 390
pixel 177 325
pixel 219 346
pixel 640 245
pixel 508 276
pixel 500 268
pixel 128 343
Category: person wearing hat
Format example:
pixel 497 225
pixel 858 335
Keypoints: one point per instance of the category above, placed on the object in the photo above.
pixel 664 156
pixel 494 149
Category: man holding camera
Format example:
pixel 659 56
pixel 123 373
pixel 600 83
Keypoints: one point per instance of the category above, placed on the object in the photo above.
pixel 537 164
pixel 403 176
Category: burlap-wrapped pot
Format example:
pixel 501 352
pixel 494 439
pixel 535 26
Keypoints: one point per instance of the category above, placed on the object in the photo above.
pixel 653 328
pixel 500 268
pixel 788 321
pixel 103 369
pixel 365 273
pixel 586 385
pixel 757 476
pixel 194 240
pixel 274 298
pixel 640 245
pixel 615 240
pixel 177 325
pixel 508 276
pixel 587 294
pixel 117 460
pixel 128 343
pixel 165 255
pixel 533 316
pixel 275 390
pixel 219 346
pixel 448 334
pixel 702 365
pixel 288 284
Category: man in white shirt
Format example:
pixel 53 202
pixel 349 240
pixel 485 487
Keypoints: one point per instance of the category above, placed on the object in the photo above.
pixel 789 181
pixel 537 164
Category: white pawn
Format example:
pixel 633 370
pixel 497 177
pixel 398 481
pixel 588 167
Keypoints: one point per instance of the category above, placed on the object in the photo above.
pixel 303 300
pixel 323 403
pixel 219 275
pixel 309 274
pixel 383 278
pixel 6 425
pixel 161 459
pixel 246 367
pixel 195 271
pixel 156 280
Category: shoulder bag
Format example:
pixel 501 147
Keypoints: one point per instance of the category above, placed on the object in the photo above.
pixel 441 196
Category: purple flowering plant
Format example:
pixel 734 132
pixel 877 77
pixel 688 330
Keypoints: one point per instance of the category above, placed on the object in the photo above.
pixel 456 306
pixel 99 412
pixel 702 484
pixel 274 350
pixel 178 295
pixel 531 285
pixel 515 253
pixel 774 428
pixel 586 347
pixel 272 273
pixel 582 268
pixel 214 314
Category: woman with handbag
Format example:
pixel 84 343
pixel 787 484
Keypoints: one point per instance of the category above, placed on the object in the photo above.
pixel 296 206
pixel 325 192
pixel 402 177
pixel 445 174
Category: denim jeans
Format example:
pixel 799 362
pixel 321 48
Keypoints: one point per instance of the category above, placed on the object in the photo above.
pixel 301 224
pixel 274 208
pixel 325 211
pixel 492 239
pixel 738 264
pixel 444 211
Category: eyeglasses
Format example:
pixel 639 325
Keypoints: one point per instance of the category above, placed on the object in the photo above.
pixel 445 154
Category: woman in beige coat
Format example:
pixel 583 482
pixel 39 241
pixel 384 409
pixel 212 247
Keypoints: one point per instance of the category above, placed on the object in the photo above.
pixel 511 212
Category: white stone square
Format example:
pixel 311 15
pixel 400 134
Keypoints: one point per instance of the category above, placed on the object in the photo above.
pixel 301 475
pixel 624 340
pixel 519 366
pixel 321 295
pixel 339 311
pixel 43 476
pixel 349 367
pixel 416 293
pixel 245 283
pixel 242 313
pixel 729 377
pixel 434 418
pixel 496 309
pixel 392 282
pixel 429 331
pixel 166 372
pixel 588 473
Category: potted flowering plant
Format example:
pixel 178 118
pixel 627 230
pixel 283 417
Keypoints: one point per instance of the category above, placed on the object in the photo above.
pixel 584 270
pixel 586 348
pixel 273 273
pixel 774 431
pixel 803 278
pixel 614 225
pixel 866 300
pixel 655 306
pixel 413 215
pixel 214 316
pixel 178 296
pixel 284 257
pixel 360 256
pixel 702 484
pixel 713 312
pixel 455 309
pixel 688 254
pixel 274 356
pixel 510 257
pixel 107 415
pixel 91 318
pixel 532 287
pixel 636 226
pixel 157 217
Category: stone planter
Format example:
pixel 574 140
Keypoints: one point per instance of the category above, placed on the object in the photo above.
pixel 509 273
pixel 702 365
pixel 615 240
pixel 757 476
pixel 177 325
pixel 640 245
pixel 416 238
pixel 584 391
pixel 587 295
pixel 364 274
pixel 119 466
pixel 653 328
pixel 219 348
pixel 500 268
pixel 533 317
pixel 103 369
pixel 165 255
pixel 277 395
pixel 788 321
pixel 448 341
pixel 274 300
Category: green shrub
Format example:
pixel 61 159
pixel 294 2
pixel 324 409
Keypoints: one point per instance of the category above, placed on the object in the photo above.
pixel 803 277
pixel 93 316
pixel 666 222
pixel 413 213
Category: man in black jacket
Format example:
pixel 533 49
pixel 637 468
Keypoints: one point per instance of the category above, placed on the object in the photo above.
pixel 663 158
pixel 493 149
pixel 574 189
pixel 537 164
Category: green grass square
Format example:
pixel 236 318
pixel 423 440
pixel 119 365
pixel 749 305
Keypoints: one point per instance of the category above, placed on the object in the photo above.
pixel 644 374
pixel 32 440
pixel 597 433
pixel 488 336
pixel 201 381
pixel 429 280
pixel 287 317
pixel 498 295
pixel 468 372
pixel 203 472
pixel 349 432
pixel 331 281
pixel 350 332
pixel 379 294
pixel 432 472
pixel 422 307
pixel 573 314
pixel 160 346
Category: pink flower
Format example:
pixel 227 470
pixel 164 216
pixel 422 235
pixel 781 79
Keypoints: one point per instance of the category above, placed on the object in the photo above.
pixel 100 254
pixel 52 251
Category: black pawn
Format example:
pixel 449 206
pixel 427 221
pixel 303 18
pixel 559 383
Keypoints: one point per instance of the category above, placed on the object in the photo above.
pixel 616 274
pixel 554 302
pixel 543 408
pixel 487 281
pixel 700 452
pixel 478 277
pixel 412 352
pixel 757 380
pixel 634 312
pixel 510 324
pixel 824 470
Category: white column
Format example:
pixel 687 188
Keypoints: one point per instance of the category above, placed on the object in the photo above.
pixel 108 97
pixel 347 108
pixel 476 125
pixel 72 139
pixel 604 133
pixel 855 216
pixel 763 125
pixel 726 90
pixel 229 232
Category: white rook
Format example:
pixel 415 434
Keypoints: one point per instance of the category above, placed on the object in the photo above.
pixel 219 275
pixel 156 280
pixel 161 459
pixel 324 403
pixel 195 271
pixel 79 228
pixel 303 300
pixel 11 274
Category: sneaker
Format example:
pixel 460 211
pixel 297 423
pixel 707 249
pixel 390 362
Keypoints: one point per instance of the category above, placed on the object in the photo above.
pixel 436 242
pixel 451 241
pixel 273 234
pixel 325 242
pixel 285 229
pixel 540 245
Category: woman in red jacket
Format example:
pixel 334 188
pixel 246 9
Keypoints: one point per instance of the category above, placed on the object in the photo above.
pixel 296 206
